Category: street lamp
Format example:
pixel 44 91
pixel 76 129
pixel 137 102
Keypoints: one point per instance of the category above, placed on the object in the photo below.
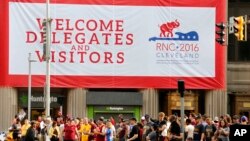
pixel 29 86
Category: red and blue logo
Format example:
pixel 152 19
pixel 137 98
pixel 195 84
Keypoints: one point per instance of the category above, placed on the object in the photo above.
pixel 167 33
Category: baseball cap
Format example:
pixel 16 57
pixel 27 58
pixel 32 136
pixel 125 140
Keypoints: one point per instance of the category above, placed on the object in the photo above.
pixel 216 119
pixel 243 118
pixel 142 118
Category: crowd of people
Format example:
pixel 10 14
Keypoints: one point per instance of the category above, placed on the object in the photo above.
pixel 166 128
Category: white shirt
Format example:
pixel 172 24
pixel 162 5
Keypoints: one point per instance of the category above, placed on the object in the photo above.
pixel 190 130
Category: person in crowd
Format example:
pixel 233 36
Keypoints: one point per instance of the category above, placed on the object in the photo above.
pixel 198 130
pixel 109 132
pixel 15 129
pixel 85 129
pixel 210 129
pixel 92 129
pixel 189 130
pixel 112 120
pixel 78 123
pixel 153 136
pixel 203 120
pixel 70 131
pixel 31 132
pixel 122 130
pixel 38 129
pixel 54 132
pixel 216 122
pixel 147 127
pixel 243 120
pixel 223 131
pixel 134 131
pixel 236 120
pixel 24 129
pixel 228 118
pixel 162 129
pixel 120 118
pixel 100 130
pixel 113 130
pixel 61 129
pixel 140 126
pixel 192 117
pixel 43 129
pixel 174 130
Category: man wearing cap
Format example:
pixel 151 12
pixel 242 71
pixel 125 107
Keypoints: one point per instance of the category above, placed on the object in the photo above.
pixel 216 122
pixel 243 120
pixel 134 132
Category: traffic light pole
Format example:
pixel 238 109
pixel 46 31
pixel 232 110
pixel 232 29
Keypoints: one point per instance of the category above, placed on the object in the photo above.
pixel 181 89
pixel 47 57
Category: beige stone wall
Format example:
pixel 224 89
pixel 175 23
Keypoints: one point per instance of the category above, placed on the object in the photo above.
pixel 76 102
pixel 150 102
pixel 216 103
pixel 238 77
pixel 8 107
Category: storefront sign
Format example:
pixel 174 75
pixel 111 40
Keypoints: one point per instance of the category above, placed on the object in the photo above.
pixel 114 108
pixel 37 100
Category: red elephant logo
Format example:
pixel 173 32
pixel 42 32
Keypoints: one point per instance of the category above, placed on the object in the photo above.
pixel 167 28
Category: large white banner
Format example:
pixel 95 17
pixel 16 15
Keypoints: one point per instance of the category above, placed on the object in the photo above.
pixel 99 40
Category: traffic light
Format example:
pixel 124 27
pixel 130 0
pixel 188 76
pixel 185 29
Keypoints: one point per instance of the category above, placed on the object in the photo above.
pixel 220 31
pixel 181 87
pixel 44 30
pixel 240 28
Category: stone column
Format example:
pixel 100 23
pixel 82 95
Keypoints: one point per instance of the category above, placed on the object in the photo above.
pixel 216 103
pixel 8 107
pixel 76 102
pixel 150 102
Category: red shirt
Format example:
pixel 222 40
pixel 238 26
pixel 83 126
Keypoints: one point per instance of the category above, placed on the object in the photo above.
pixel 100 137
pixel 70 132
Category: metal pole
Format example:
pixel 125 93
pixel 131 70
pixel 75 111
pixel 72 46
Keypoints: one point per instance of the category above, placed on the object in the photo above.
pixel 29 87
pixel 181 89
pixel 182 116
pixel 47 105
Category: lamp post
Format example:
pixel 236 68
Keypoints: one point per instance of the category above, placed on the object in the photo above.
pixel 29 86
pixel 47 58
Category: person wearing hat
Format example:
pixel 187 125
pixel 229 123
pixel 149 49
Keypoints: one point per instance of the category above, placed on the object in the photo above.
pixel 216 122
pixel 134 131
pixel 243 120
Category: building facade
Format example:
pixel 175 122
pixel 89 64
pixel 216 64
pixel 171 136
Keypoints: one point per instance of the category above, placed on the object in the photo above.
pixel 238 68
